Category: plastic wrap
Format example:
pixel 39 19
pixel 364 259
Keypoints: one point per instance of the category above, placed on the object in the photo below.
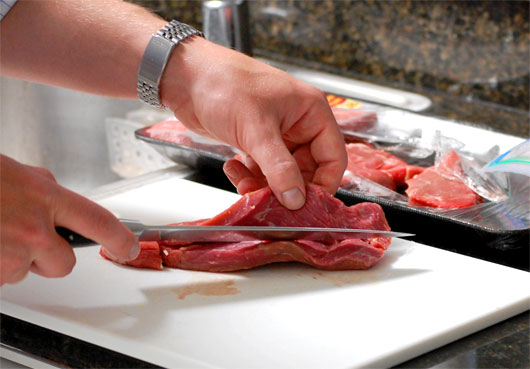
pixel 505 199
pixel 515 160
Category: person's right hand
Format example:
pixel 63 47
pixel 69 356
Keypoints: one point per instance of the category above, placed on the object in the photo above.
pixel 32 205
pixel 284 126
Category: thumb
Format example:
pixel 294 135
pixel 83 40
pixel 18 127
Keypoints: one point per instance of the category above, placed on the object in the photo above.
pixel 278 166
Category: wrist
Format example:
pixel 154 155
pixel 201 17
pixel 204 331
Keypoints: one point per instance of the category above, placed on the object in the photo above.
pixel 156 56
pixel 181 72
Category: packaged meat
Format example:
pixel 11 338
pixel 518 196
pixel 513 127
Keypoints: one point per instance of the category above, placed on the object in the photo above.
pixel 378 166
pixel 261 208
pixel 351 115
pixel 173 131
pixel 439 187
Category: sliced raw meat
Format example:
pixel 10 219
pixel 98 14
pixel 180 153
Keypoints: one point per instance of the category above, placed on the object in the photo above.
pixel 170 130
pixel 374 175
pixel 261 208
pixel 175 132
pixel 378 166
pixel 344 255
pixel 412 171
pixel 354 120
pixel 438 186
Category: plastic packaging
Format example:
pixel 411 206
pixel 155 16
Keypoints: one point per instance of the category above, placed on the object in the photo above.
pixel 488 186
pixel 515 160
pixel 356 183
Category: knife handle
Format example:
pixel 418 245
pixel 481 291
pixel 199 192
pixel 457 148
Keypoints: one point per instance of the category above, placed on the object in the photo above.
pixel 73 238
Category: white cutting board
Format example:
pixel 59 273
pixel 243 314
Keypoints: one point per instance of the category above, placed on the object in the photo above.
pixel 280 316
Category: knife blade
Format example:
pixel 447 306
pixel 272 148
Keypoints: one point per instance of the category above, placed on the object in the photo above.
pixel 184 234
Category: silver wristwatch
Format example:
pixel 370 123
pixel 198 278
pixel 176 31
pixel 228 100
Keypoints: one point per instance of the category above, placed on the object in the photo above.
pixel 156 56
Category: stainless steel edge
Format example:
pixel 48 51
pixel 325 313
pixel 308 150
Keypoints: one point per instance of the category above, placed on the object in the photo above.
pixel 355 89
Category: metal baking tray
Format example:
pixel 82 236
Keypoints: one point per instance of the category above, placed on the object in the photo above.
pixel 505 246
pixel 190 156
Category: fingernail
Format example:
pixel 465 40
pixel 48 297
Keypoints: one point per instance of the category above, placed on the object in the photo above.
pixel 231 171
pixel 293 198
pixel 134 251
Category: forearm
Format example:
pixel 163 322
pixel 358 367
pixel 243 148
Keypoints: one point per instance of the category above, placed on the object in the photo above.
pixel 91 45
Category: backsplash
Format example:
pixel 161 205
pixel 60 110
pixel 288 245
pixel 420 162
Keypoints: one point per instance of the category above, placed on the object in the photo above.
pixel 475 50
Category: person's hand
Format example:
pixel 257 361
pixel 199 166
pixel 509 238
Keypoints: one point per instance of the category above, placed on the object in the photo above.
pixel 285 126
pixel 32 205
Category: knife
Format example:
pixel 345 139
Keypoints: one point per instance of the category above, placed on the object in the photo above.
pixel 184 234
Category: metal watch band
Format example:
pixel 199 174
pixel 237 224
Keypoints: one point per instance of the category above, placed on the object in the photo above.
pixel 156 56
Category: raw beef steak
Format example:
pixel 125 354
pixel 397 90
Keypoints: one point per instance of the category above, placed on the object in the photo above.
pixel 175 132
pixel 378 166
pixel 260 208
pixel 438 186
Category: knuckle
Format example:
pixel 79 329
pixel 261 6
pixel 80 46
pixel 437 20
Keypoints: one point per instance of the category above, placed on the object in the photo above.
pixel 315 93
pixel 35 236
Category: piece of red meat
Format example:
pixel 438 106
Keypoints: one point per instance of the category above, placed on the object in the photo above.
pixel 374 175
pixel 377 165
pixel 437 186
pixel 174 131
pixel 170 130
pixel 261 208
pixel 354 120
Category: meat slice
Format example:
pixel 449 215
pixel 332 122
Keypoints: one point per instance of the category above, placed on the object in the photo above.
pixel 344 255
pixel 170 130
pixel 439 187
pixel 173 131
pixel 261 208
pixel 378 166
pixel 354 120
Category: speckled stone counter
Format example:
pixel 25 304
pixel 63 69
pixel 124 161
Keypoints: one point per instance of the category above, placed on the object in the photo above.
pixel 472 58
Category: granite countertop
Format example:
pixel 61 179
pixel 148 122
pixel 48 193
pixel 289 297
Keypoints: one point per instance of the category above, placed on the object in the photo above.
pixel 463 109
pixel 471 58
